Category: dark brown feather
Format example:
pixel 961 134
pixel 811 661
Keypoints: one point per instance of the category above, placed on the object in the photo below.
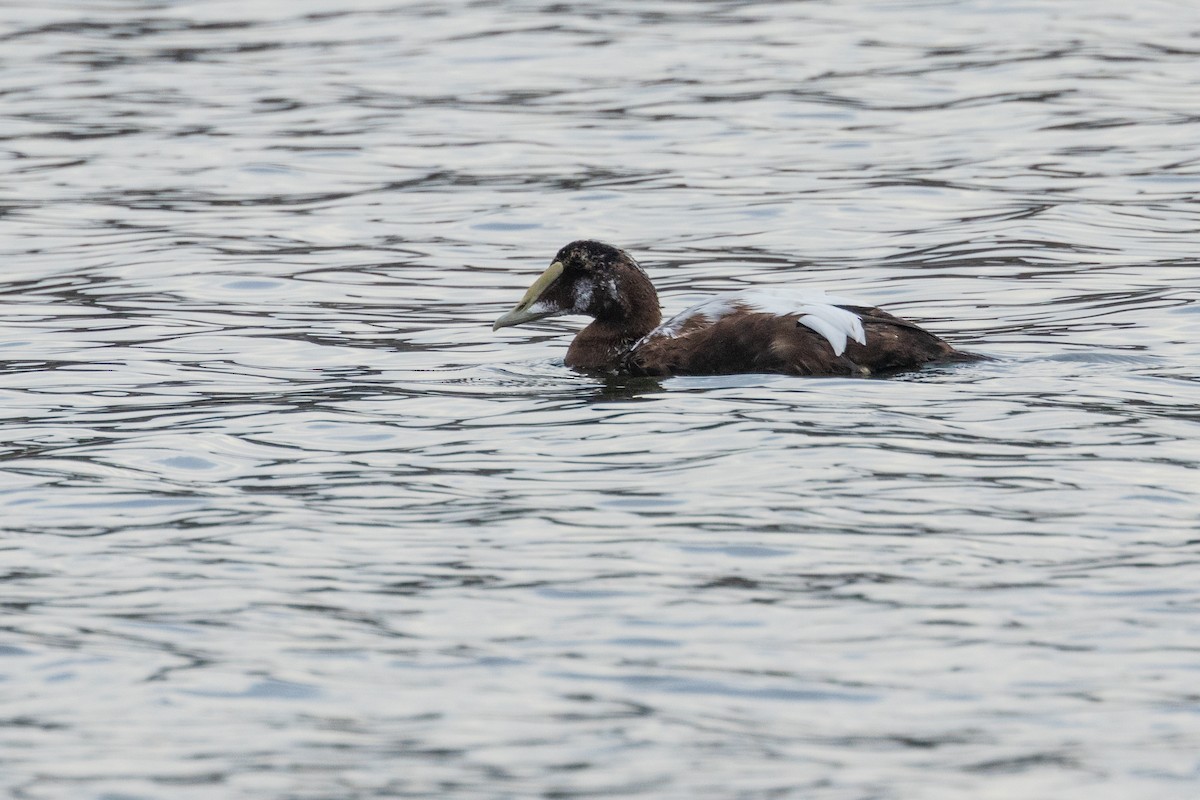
pixel 747 341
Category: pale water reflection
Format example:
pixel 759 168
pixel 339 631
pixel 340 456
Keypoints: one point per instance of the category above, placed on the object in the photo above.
pixel 283 518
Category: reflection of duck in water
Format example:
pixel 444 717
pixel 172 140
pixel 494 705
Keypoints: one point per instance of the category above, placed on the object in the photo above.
pixel 794 331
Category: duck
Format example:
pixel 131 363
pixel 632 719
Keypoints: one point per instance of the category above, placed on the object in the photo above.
pixel 768 329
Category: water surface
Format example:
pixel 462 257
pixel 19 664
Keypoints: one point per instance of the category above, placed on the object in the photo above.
pixel 284 519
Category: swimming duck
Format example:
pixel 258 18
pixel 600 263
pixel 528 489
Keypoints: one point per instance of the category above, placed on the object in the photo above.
pixel 767 329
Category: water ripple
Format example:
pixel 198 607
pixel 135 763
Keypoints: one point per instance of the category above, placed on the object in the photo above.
pixel 266 469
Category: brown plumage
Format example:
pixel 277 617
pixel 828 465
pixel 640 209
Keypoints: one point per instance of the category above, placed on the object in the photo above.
pixel 762 330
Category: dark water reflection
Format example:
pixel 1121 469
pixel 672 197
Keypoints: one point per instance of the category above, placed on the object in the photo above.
pixel 283 518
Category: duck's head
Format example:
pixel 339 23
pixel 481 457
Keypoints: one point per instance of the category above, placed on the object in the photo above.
pixel 589 278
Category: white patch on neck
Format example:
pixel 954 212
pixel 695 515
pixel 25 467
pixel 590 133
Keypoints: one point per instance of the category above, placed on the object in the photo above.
pixel 585 288
pixel 585 292
pixel 815 310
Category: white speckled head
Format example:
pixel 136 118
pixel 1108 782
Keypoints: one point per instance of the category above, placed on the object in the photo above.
pixel 584 290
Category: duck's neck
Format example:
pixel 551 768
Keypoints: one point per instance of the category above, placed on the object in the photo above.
pixel 604 344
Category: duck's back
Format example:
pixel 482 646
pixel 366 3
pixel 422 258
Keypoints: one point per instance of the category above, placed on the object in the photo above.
pixel 788 331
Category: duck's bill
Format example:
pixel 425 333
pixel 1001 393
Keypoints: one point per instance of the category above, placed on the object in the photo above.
pixel 529 308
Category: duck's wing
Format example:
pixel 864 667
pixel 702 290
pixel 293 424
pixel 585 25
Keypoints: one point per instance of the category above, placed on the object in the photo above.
pixel 828 315
pixel 754 330
pixel 790 331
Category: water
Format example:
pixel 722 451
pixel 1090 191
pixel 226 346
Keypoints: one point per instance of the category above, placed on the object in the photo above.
pixel 284 519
